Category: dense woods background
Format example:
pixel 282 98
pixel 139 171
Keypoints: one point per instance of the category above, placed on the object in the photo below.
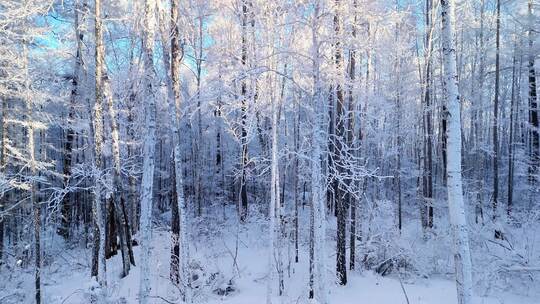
pixel 120 117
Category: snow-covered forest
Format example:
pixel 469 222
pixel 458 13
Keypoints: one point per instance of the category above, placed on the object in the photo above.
pixel 257 151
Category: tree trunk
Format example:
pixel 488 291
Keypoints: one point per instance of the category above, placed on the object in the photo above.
pixel 398 137
pixel 175 234
pixel 318 212
pixel 341 204
pixel 3 160
pixel 427 175
pixel 149 147
pixel 243 189
pixel 511 135
pixel 275 206
pixel 172 61
pixel 498 233
pixel 98 260
pixel 480 166
pixel 296 176
pixel 70 136
pixel 458 220
pixel 351 142
pixel 199 155
pixel 132 180
pixel 32 165
pixel 220 167
pixel 111 240
pixel 122 223
pixel 533 106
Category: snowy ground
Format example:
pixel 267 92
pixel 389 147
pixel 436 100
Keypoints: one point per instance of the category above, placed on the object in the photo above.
pixel 66 277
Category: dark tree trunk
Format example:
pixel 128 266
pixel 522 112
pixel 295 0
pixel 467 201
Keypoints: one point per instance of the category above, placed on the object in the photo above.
pixel 312 250
pixel 176 59
pixel 95 249
pixel 427 175
pixel 296 136
pixel 341 204
pixel 37 244
pixel 175 235
pixel 244 157
pixel 352 143
pixel 65 224
pixel 511 135
pixel 533 108
pixel 111 244
pixel 498 233
pixel 444 139
pixel 4 200
pixel 70 134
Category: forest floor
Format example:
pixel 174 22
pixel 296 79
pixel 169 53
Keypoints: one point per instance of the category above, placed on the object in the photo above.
pixel 224 254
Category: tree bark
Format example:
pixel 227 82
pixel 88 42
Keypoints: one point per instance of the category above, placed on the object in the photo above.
pixel 244 158
pixel 122 223
pixel 495 202
pixel 70 136
pixel 98 260
pixel 318 212
pixel 511 134
pixel 4 198
pixel 427 175
pixel 341 204
pixel 275 206
pixel 351 141
pixel 296 176
pixel 458 220
pixel 172 61
pixel 32 171
pixel 534 132
pixel 149 147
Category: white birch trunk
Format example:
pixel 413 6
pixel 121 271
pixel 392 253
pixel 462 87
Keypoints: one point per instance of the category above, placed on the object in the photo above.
pixel 98 136
pixel 172 64
pixel 458 220
pixel 318 188
pixel 274 253
pixel 36 209
pixel 273 208
pixel 148 150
